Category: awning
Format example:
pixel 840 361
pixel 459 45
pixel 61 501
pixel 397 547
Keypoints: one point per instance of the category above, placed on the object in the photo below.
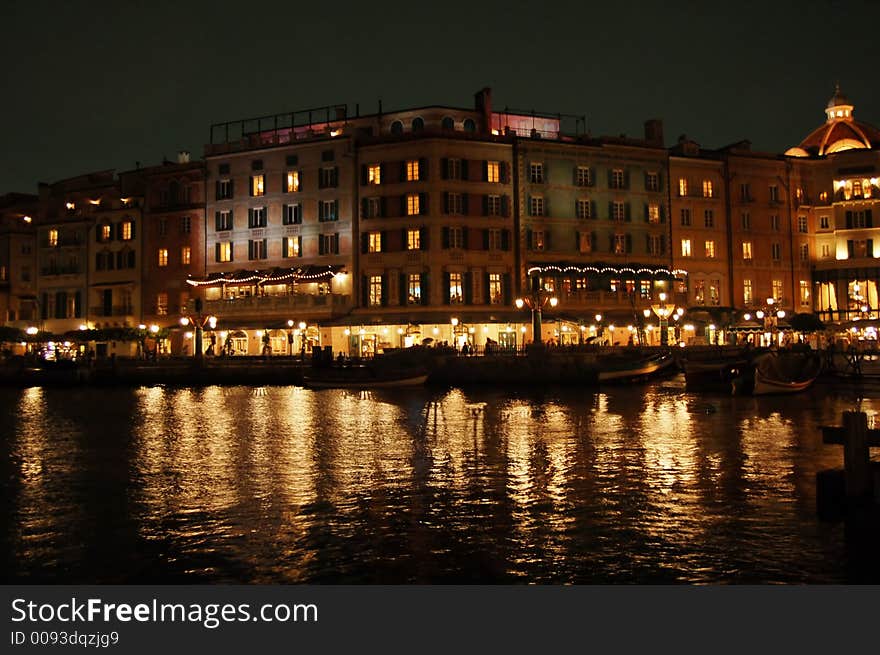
pixel 275 275
pixel 601 268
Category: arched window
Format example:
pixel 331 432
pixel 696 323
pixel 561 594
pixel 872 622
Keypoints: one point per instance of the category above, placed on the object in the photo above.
pixel 418 125
pixel 448 123
pixel 396 128
pixel 174 192
pixel 469 125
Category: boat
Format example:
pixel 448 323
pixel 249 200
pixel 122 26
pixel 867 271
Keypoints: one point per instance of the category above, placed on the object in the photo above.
pixel 627 369
pixel 790 372
pixel 712 375
pixel 362 377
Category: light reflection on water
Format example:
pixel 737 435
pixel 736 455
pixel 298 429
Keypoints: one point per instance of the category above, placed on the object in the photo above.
pixel 282 484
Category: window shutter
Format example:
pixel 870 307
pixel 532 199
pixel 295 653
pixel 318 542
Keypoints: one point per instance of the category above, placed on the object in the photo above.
pixel 505 240
pixel 870 248
pixel 547 210
pixel 627 214
pixel 648 242
pixel 44 306
pixel 468 281
pixel 98 233
pixel 505 282
pixel 423 238
pixel 529 205
pixel 404 240
pixel 611 243
pixel 299 244
pixel 446 285
pixel 251 185
pixel 365 291
pixel 336 176
pixel 217 190
pixel 646 212
pixel 850 248
pixel 629 243
pixel 444 168
pixel 485 171
pixel 485 239
pixel 425 291
pixel 659 181
pixel 465 175
pixel 610 209
pixel 383 209
pixel 593 213
pixel 445 238
pixel 283 181
pixel 465 238
pixel 383 240
pixel 662 213
pixel 216 221
pixel 465 204
pixel 610 178
pixel 547 245
pixel 625 178
pixel 284 247
pixel 403 171
pixel 216 252
pixel 445 202
pixel 365 242
pixel 423 168
pixel 423 203
pixel 365 176
pixel 77 304
pixel 365 204
pixel 646 180
pixel 849 220
pixel 402 289
pixel 335 210
pixel 231 220
pixel 485 205
pixel 131 259
pixel 250 249
pixel 486 299
pixel 321 244
pixel 385 290
pixel 869 220
pixel 662 244
pixel 505 206
pixel 504 172
pixel 528 239
pixel 403 205
pixel 574 176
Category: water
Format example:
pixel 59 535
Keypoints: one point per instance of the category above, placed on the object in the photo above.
pixel 285 485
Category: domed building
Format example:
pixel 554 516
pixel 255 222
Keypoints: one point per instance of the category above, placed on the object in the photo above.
pixel 840 132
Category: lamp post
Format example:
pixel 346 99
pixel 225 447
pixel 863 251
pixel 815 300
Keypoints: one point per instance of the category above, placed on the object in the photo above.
pixel 663 310
pixel 770 314
pixel 536 301
pixel 199 324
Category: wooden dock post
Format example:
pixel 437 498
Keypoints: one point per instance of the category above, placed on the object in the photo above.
pixel 856 439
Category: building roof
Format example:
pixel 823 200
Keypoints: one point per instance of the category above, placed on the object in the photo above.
pixel 841 131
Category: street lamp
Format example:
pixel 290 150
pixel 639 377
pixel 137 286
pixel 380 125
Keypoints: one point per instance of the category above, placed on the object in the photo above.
pixel 663 310
pixel 536 301
pixel 199 324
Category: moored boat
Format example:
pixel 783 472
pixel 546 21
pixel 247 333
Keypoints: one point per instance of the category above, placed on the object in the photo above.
pixel 362 377
pixel 778 373
pixel 713 375
pixel 621 371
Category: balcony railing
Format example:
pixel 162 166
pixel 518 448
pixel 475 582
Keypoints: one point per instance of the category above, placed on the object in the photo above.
pixel 60 270
pixel 326 305
pixel 117 310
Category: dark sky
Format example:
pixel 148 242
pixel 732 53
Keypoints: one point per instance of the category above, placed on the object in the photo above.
pixel 94 85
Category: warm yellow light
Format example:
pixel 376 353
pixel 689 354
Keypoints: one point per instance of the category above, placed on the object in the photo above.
pixel 363 331
pixel 646 312
pixel 335 132
pixel 399 330
pixel 259 334
pixel 212 322
pixel 184 321
pixel 711 326
pixel 611 327
pixel 747 316
pixel 188 335
pixel 27 219
pixel 94 202
pixel 224 334
pixel 140 327
pixel 436 330
pixel 290 324
pixel 31 330
pixel 454 322
pixel 554 301
pixel 598 318
pixel 384 330
pixel 154 328
pixel 302 325
pixel 83 326
pixel 662 296
pixel 523 329
pixel 346 331
pixel 689 328
pixel 70 205
pixel 472 329
pixel 759 314
pixel 781 313
pixel 519 303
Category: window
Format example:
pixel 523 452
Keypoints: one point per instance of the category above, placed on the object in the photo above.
pixel 256 217
pixel 455 289
pixel 493 205
pixel 618 211
pixel 804 252
pixel 418 124
pixel 328 244
pixel 412 170
pixel 617 178
pixel 777 289
pixel 805 293
pixel 374 174
pixel 747 292
pixel 536 173
pixel 257 165
pixel 372 207
pixel 396 129
pixel 162 304
pixel 652 181
pixel 747 250
pixel 328 155
pixel 857 188
pixel 448 123
pixel 223 221
pixel 185 224
pixel 774 222
pixel 163 257
pixel 125 230
pixel 745 192
pixel 859 219
pixel 824 223
pixel 454 204
pixel 682 186
pixel 186 255
pixel 412 204
pixel 493 171
pixel 583 208
pixel 585 242
pixel 414 289
pixel 774 193
pixel 775 251
pixel 826 251
pixel 700 292
pixel 375 290
pixel 536 206
pixel 453 169
pixel 224 189
pixel 257 249
pixel 714 292
pixel 258 185
pixel 619 244
pixel 106 232
pixel 328 177
pixel 496 292
pixel 708 190
pixel 746 220
pixel 584 176
pixel 538 240
pixel 709 218
pixel 374 242
pixel 469 125
pixel 292 214
pixel 292 184
pixel 653 212
pixel 645 289
pixel 686 217
pixel 495 239
pixel 413 239
pixel 53 238
pixel 291 247
pixel 456 237
pixel 710 249
pixel 328 210
pixel 655 244
pixel 224 251
pixel 685 247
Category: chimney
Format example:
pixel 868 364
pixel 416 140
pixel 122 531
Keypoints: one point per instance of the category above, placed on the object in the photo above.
pixel 654 132
pixel 183 157
pixel 483 104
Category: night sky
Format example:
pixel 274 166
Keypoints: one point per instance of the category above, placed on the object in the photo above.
pixel 93 85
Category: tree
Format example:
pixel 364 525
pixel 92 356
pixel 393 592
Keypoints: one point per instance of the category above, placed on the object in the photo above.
pixel 806 323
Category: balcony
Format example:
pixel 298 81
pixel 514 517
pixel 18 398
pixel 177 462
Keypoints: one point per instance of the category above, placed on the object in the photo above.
pixel 116 310
pixel 60 270
pixel 297 304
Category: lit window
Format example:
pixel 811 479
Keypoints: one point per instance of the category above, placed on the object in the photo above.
pixel 374 174
pixel 105 232
pixel 584 176
pixel 776 251
pixel 414 289
pixel 710 249
pixel 257 185
pixel 682 187
pixel 126 230
pixel 412 170
pixel 496 291
pixel 583 208
pixel 53 238
pixel 375 290
pixel 585 242
pixel 413 239
pixel 653 213
pixel 708 190
pixel 618 211
pixel 685 247
pixel 536 206
pixel 538 240
pixel 493 171
pixel 224 251
pixel 620 244
pixel 536 173
pixel 747 250
pixel 374 242
pixel 292 185
pixel 291 246
pixel 805 293
pixel 455 289
pixel 162 304
pixel 777 289
pixel 163 257
pixel 617 178
pixel 185 255
pixel 652 182
pixel 802 224
pixel 412 204
pixel 747 292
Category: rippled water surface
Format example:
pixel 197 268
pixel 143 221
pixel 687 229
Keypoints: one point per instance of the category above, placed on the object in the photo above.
pixel 282 484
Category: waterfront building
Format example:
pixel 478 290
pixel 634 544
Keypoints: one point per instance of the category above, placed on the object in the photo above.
pixel 18 306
